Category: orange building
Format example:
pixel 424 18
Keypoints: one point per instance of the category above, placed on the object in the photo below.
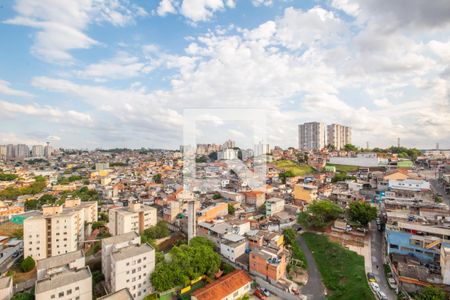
pixel 11 210
pixel 219 209
pixel 230 287
pixel 304 193
pixel 267 264
pixel 256 198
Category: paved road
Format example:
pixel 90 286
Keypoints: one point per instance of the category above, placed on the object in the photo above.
pixel 377 260
pixel 439 189
pixel 314 288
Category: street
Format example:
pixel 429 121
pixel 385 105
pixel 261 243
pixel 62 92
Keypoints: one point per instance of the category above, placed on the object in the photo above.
pixel 314 288
pixel 377 254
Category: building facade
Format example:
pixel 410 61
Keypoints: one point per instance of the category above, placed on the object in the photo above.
pixel 55 231
pixel 311 136
pixel 338 136
pixel 137 217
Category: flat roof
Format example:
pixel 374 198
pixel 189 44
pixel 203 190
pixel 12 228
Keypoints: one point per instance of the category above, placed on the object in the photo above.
pixel 120 238
pixel 59 260
pixel 131 251
pixel 123 294
pixel 62 279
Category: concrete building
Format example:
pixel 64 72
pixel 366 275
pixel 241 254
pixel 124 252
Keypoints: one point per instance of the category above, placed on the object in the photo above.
pixel 90 208
pixel 261 149
pixel 119 295
pixel 230 287
pixel 274 205
pixel 311 136
pixel 219 209
pixel 360 160
pixel 37 151
pixel 6 288
pixel 55 231
pixel 267 264
pixel 48 150
pixel 233 249
pixel 131 268
pixel 63 277
pixel 3 152
pixel 10 151
pixel 111 244
pixel 21 151
pixel 229 144
pixel 228 154
pixel 339 135
pixel 137 217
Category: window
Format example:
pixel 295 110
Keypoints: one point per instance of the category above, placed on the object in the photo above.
pixel 61 294
pixel 69 292
pixel 53 297
pixel 77 288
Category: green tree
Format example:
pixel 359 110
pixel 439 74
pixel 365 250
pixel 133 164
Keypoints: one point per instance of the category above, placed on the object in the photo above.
pixel 160 230
pixel 157 178
pixel 361 212
pixel 231 209
pixel 350 147
pixel 27 264
pixel 431 293
pixel 320 214
pixel 342 177
pixel 8 177
pixel 23 296
pixel 216 196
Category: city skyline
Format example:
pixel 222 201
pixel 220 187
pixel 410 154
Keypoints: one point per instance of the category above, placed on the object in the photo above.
pixel 120 73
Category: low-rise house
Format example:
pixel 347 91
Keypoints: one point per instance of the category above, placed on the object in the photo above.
pixel 232 249
pixel 267 264
pixel 304 193
pixel 230 287
pixel 274 206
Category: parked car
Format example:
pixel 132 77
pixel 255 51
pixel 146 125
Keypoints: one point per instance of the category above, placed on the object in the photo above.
pixel 259 294
pixel 381 295
pixel 374 286
pixel 15 254
pixel 392 283
pixel 371 277
pixel 265 292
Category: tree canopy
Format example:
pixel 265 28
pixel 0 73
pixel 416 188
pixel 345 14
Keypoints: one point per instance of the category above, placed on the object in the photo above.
pixel 319 214
pixel 7 177
pixel 187 262
pixel 361 212
pixel 36 187
pixel 27 264
pixel 431 293
pixel 350 147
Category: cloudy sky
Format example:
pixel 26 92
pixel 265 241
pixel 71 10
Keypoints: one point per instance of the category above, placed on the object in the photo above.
pixel 120 73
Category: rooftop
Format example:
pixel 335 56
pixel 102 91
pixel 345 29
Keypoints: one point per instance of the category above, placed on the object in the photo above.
pixel 120 238
pixel 131 251
pixel 223 287
pixel 123 294
pixel 62 279
pixel 59 260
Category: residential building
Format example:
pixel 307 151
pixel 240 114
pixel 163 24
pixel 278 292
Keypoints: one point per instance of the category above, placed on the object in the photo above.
pixel 274 206
pixel 255 198
pixel 230 287
pixel 21 151
pixel 261 149
pixel 311 136
pixel 123 294
pixel 232 249
pixel 229 144
pixel 228 154
pixel 136 217
pixel 48 150
pixel 90 208
pixel 212 212
pixel 3 152
pixel 10 151
pixel 63 277
pixel 339 136
pixel 304 193
pixel 267 264
pixel 111 244
pixel 6 288
pixel 37 151
pixel 131 268
pixel 55 231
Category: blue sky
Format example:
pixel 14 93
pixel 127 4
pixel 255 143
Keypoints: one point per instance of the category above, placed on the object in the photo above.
pixel 118 73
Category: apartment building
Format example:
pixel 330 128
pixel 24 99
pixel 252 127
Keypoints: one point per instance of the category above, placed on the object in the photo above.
pixel 3 152
pixel 89 208
pixel 37 151
pixel 274 206
pixel 339 136
pixel 131 268
pixel 63 276
pixel 123 294
pixel 55 231
pixel 230 287
pixel 311 136
pixel 111 244
pixel 6 288
pixel 136 217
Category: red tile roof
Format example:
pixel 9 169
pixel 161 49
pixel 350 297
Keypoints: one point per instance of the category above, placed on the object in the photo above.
pixel 223 287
